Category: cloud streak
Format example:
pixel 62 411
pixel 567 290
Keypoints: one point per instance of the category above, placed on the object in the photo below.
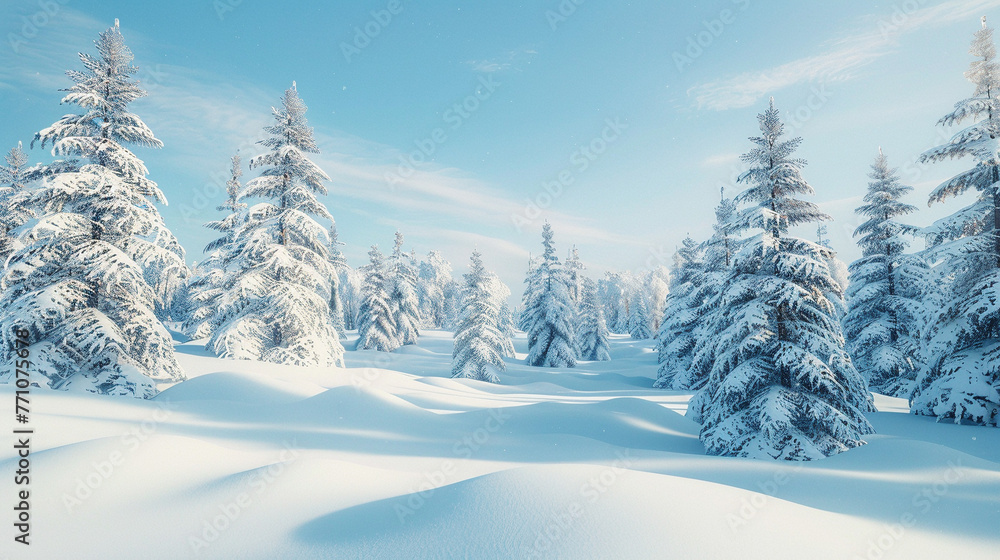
pixel 842 59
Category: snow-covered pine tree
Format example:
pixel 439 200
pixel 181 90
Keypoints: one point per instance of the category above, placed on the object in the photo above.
pixel 613 290
pixel 96 266
pixel 435 274
pixel 676 338
pixel 280 312
pixel 657 285
pixel 639 316
pixel 376 326
pixel 838 270
pixel 479 342
pixel 718 254
pixel 782 386
pixel 505 319
pixel 508 326
pixel 98 135
pixel 401 278
pixel 961 380
pixel 339 264
pixel 452 304
pixel 351 280
pixel 210 281
pixel 592 331
pixel 531 282
pixel 14 208
pixel 885 309
pixel 574 275
pixel 551 336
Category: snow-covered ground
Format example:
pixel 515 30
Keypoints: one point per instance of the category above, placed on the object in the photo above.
pixel 390 458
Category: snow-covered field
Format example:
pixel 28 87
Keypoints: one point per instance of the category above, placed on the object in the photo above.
pixel 390 458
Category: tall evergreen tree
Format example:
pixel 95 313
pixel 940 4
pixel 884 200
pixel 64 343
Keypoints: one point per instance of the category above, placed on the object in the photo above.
pixel 96 266
pixel 885 310
pixel 782 385
pixel 282 313
pixel 376 326
pixel 550 337
pixel 98 135
pixel 961 380
pixel 479 342
pixel 591 331
pixel 211 279
pixel 402 289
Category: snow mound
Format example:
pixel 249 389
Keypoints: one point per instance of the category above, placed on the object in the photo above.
pixel 248 388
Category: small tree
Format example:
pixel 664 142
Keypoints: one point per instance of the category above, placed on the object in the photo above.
pixel 550 338
pixel 211 279
pixel 402 279
pixel 376 328
pixel 14 202
pixel 639 318
pixel 885 309
pixel 676 338
pixel 592 332
pixel 479 342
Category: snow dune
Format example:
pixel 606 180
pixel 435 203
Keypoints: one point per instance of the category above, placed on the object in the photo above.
pixel 389 458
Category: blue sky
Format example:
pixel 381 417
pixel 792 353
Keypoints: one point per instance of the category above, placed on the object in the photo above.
pixel 640 108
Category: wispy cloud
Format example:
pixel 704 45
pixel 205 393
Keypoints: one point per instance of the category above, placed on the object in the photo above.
pixel 842 59
pixel 511 60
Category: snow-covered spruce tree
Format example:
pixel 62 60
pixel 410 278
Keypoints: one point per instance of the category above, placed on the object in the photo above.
pixel 479 342
pixel 401 278
pixel 505 319
pixel 574 275
pixel 718 254
pixel 339 264
pixel 98 135
pixel 885 309
pixel 614 293
pixel 351 280
pixel 531 283
pixel 14 202
pixel 376 325
pixel 551 336
pixel 657 286
pixel 676 338
pixel 434 276
pixel 782 386
pixel 639 316
pixel 452 304
pixel 961 380
pixel 211 279
pixel 278 307
pixel 838 271
pixel 591 331
pixel 94 268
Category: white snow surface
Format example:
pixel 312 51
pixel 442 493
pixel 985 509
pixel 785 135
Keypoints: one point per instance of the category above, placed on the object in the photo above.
pixel 390 458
